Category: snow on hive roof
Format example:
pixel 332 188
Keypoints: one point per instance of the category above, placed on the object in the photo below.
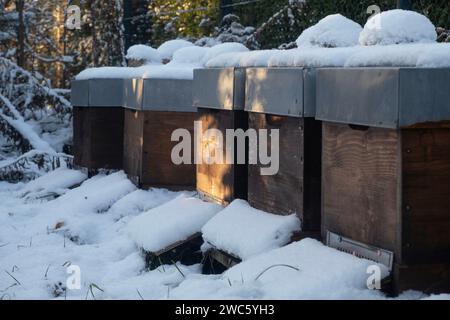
pixel 182 66
pixel 257 58
pixel 437 56
pixel 111 73
pixel 406 55
pixel 392 38
pixel 397 26
pixel 168 48
pixel 171 222
pixel 190 55
pixel 244 231
pixel 330 32
pixel 143 52
pixel 431 55
pixel 228 47
pixel 319 45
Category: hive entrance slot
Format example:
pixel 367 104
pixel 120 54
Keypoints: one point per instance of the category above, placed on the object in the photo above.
pixel 360 250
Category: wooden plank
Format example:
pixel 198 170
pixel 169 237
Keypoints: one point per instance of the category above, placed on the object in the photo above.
pixel 158 170
pixel 426 195
pixel 186 251
pixel 216 261
pixel 222 183
pixel 361 185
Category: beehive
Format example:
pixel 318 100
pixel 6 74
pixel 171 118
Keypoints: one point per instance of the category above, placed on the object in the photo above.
pixel 154 109
pixel 219 95
pixel 283 100
pixel 98 119
pixel 386 166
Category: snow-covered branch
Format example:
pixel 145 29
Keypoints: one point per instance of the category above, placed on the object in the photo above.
pixel 24 128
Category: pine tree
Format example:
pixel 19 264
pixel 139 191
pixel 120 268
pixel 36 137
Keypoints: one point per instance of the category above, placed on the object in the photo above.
pixel 185 19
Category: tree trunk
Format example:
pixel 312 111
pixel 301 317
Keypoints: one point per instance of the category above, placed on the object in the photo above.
pixel 225 8
pixel 20 33
pixel 94 34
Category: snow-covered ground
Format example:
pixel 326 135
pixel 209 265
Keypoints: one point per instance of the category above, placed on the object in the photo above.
pixel 87 226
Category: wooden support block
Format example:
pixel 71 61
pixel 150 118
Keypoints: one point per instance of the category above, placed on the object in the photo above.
pixel 216 261
pixel 187 252
pixel 390 188
pixel 296 186
pixel 148 148
pixel 98 137
pixel 222 183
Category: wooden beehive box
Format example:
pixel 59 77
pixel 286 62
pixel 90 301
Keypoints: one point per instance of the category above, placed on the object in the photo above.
pixel 386 166
pixel 154 109
pixel 219 95
pixel 98 119
pixel 283 99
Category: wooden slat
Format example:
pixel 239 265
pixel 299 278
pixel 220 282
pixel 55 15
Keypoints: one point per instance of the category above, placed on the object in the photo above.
pixel 216 261
pixel 186 251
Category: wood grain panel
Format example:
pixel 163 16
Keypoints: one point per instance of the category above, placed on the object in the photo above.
pixel 98 137
pixel 157 166
pixel 426 195
pixel 296 186
pixel 360 184
pixel 281 193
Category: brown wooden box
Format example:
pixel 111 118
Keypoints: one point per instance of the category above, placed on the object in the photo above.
pixel 148 148
pixel 154 109
pixel 296 186
pixel 386 166
pixel 283 99
pixel 98 137
pixel 390 188
pixel 222 183
pixel 219 95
